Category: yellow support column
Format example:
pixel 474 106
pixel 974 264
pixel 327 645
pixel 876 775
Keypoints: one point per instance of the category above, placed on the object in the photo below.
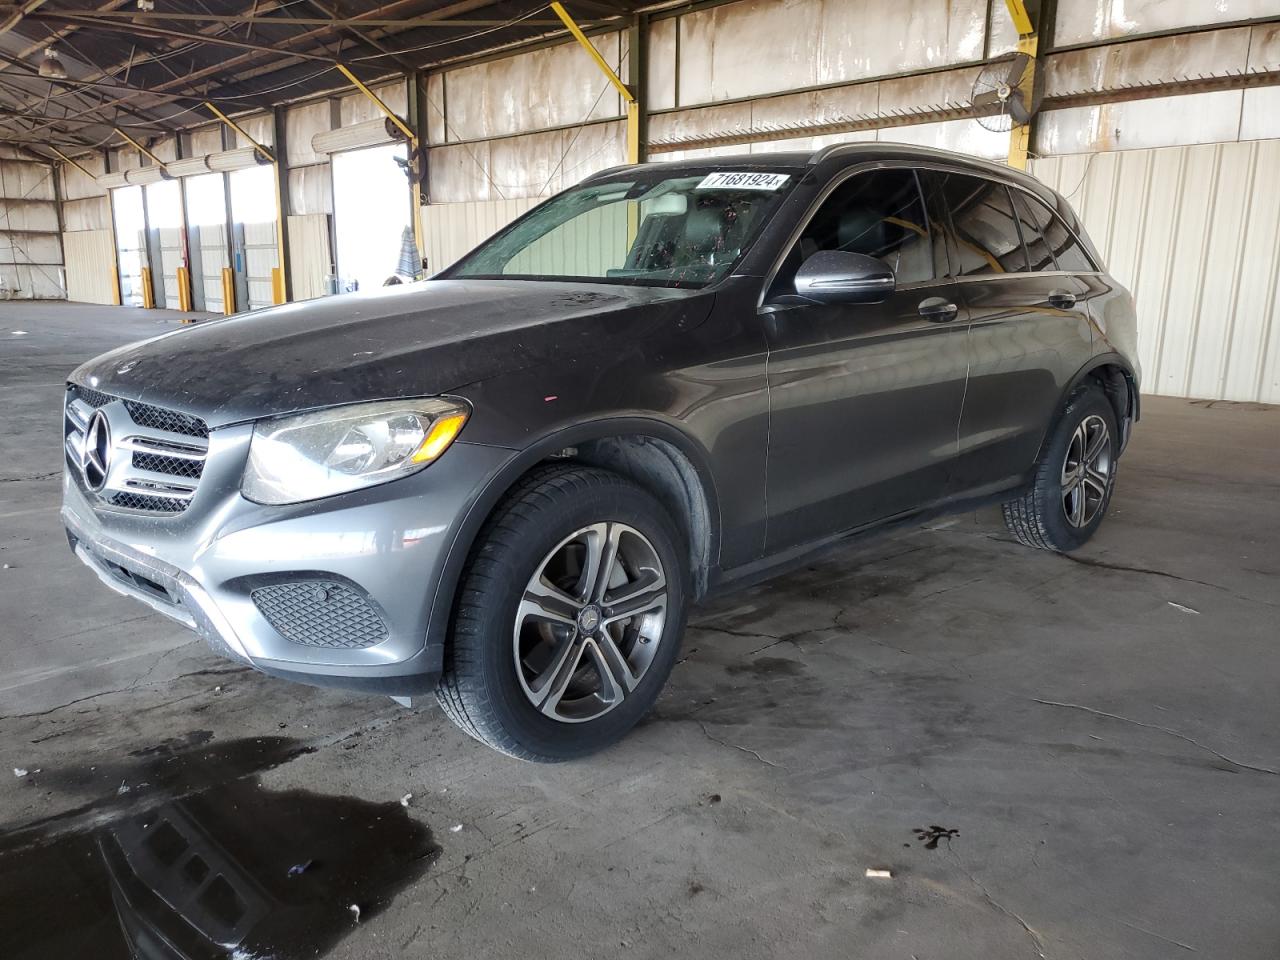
pixel 1028 43
pixel 633 103
pixel 228 292
pixel 148 295
pixel 184 290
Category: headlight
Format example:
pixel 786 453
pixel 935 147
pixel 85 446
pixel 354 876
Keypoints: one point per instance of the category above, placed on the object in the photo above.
pixel 315 455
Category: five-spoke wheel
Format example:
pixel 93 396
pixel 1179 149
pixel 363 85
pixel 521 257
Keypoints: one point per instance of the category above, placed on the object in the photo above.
pixel 590 621
pixel 1071 486
pixel 1086 471
pixel 568 617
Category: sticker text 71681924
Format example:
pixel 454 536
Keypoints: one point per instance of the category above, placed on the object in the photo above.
pixel 743 180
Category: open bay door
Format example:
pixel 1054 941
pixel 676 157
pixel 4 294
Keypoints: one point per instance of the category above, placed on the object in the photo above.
pixel 373 205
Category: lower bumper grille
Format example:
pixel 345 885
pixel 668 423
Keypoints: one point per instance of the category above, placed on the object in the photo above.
pixel 320 613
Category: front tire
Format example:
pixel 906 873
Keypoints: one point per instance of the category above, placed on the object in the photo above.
pixel 1074 480
pixel 568 617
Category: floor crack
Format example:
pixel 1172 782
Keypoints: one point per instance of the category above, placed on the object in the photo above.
pixel 1150 572
pixel 725 743
pixel 38 476
pixel 1167 730
pixel 107 693
pixel 1031 932
pixel 1152 933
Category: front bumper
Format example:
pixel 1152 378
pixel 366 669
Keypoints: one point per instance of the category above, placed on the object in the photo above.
pixel 388 544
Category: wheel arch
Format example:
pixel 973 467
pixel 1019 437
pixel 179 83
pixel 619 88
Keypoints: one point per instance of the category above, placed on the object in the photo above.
pixel 659 457
pixel 1115 376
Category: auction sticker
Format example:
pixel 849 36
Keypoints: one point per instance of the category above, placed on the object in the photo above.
pixel 743 180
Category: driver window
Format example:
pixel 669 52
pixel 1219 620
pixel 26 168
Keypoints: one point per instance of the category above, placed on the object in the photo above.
pixel 878 213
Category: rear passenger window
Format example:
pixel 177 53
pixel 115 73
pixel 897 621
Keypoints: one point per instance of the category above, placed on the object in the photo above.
pixel 880 214
pixel 1036 220
pixel 986 230
pixel 1066 248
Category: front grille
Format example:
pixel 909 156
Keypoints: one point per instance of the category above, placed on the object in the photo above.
pixel 320 613
pixel 94 398
pixel 157 455
pixel 174 466
pixel 157 418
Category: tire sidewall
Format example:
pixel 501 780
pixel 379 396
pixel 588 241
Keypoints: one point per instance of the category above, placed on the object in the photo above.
pixel 1085 403
pixel 618 501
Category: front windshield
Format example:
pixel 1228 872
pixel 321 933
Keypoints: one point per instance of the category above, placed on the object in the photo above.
pixel 683 230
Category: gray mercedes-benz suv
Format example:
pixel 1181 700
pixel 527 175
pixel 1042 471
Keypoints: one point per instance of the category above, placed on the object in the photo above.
pixel 507 484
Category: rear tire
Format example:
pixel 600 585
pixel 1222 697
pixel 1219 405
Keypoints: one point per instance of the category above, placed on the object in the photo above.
pixel 1074 479
pixel 568 617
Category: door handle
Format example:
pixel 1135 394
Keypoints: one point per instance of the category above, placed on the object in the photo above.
pixel 1062 299
pixel 938 310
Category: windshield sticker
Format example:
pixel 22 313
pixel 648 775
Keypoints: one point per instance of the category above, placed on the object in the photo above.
pixel 743 181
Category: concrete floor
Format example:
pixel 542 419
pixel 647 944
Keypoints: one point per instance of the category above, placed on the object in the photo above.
pixel 1099 730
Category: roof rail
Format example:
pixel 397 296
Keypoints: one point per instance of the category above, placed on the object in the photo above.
pixel 831 150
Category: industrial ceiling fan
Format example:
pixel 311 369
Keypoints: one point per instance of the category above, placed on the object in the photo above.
pixel 1007 93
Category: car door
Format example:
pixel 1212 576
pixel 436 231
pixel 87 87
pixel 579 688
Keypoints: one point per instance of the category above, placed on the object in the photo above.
pixel 864 398
pixel 1028 333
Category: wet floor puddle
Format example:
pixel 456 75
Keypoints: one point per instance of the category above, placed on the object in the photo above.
pixel 225 869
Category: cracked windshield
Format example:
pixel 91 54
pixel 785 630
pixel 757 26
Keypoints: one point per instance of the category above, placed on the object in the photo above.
pixel 675 231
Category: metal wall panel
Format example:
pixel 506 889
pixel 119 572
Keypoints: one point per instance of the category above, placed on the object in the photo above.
pixel 1139 124
pixel 260 256
pixel 89 256
pixel 310 260
pixel 454 229
pixel 1080 21
pixel 301 123
pixel 724 49
pixel 75 184
pixel 357 108
pixel 311 189
pixel 500 98
pixel 1194 232
pixel 594 242
pixel 534 165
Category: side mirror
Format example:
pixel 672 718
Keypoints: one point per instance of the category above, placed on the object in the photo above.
pixel 841 276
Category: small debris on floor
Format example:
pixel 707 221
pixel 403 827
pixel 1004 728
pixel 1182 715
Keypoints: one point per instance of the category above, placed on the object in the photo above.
pixel 123 789
pixel 404 801
pixel 19 772
pixel 1178 606
pixel 933 834
pixel 19 333
pixel 355 911
pixel 456 828
pixel 298 869
pixel 878 873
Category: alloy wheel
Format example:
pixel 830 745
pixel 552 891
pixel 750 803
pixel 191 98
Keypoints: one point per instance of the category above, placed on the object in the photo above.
pixel 590 621
pixel 1086 471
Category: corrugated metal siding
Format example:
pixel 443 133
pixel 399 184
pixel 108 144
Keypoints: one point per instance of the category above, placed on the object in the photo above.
pixel 590 245
pixel 309 257
pixel 1194 232
pixel 89 256
pixel 454 229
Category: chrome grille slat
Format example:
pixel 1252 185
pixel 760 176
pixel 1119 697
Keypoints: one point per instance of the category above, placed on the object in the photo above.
pixel 158 454
pixel 166 448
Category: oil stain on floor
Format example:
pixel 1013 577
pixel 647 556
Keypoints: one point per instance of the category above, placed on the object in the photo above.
pixel 226 868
